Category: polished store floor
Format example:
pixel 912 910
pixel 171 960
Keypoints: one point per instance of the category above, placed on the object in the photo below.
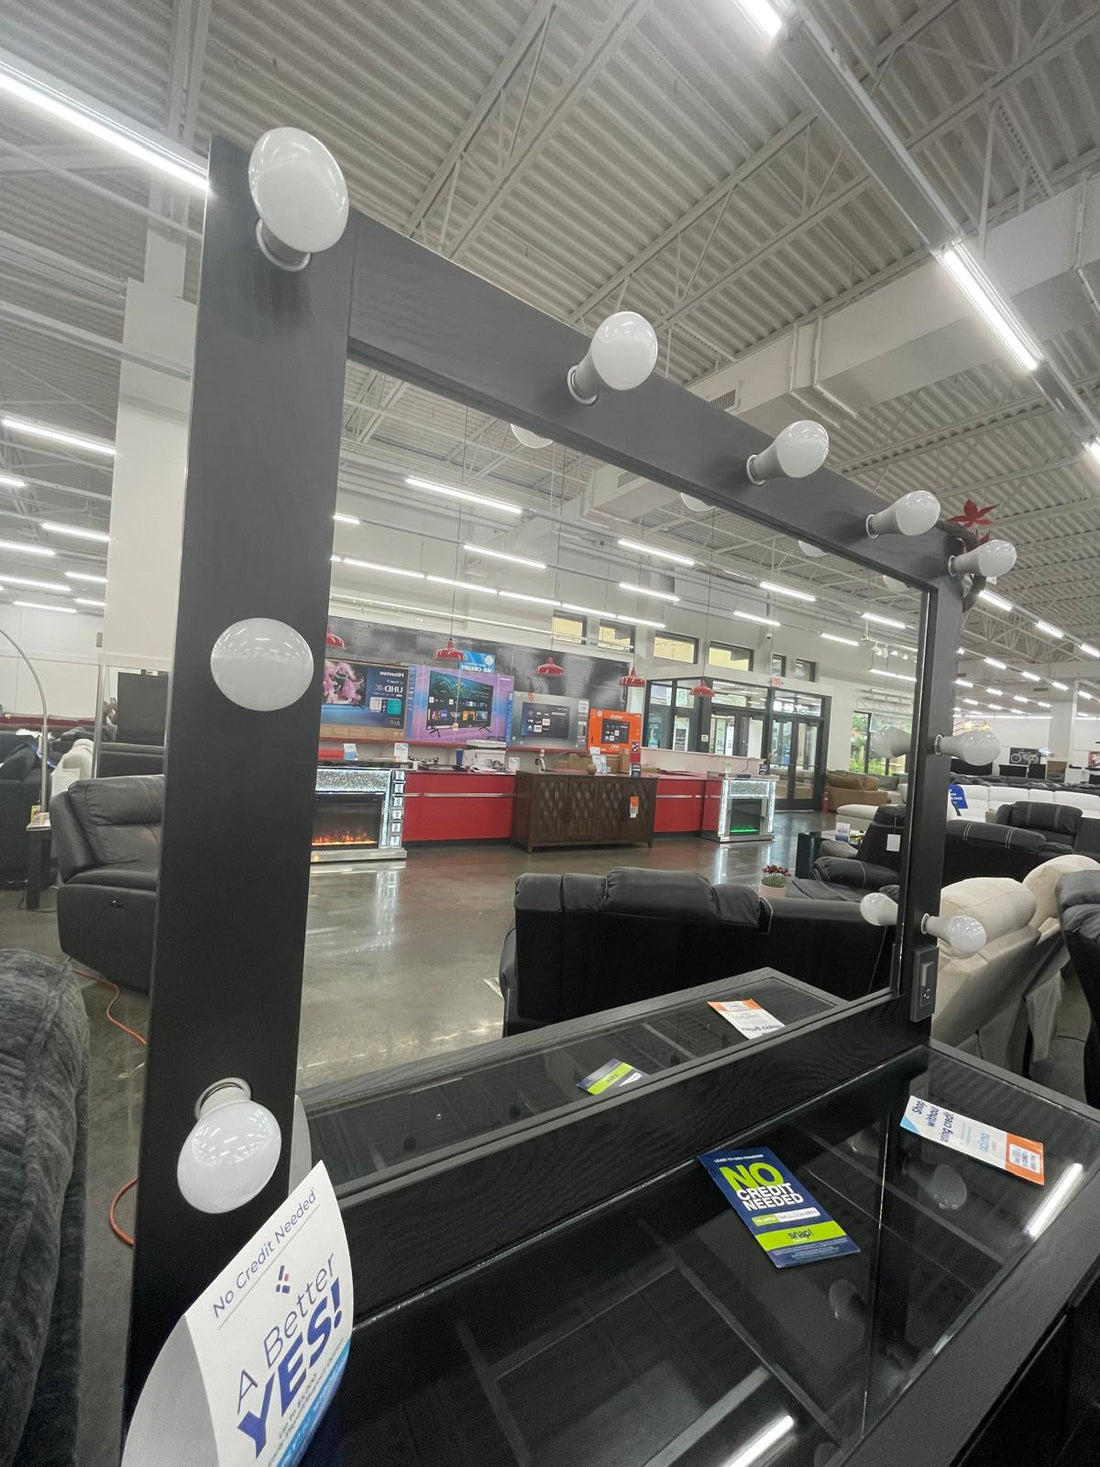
pixel 401 962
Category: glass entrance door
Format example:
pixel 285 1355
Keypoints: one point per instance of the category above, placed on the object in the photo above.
pixel 794 750
pixel 733 733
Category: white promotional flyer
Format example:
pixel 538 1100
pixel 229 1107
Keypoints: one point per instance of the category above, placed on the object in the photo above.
pixel 746 1015
pixel 248 1372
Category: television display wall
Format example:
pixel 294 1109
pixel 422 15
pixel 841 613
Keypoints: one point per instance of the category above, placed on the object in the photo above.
pixel 452 706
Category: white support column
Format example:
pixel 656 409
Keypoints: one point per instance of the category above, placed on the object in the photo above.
pixel 1060 738
pixel 143 562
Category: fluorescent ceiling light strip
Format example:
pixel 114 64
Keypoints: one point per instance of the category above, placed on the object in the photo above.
pixel 38 585
pixel 1082 694
pixel 1092 448
pixel 1032 677
pixel 889 672
pixel 1041 704
pixel 777 590
pixel 539 565
pixel 462 585
pixel 535 600
pixel 449 492
pixel 382 570
pixel 973 702
pixel 995 692
pixel 25 428
pixel 83 576
pixel 645 591
pixel 1055 1199
pixel 77 532
pixel 844 641
pixel 992 599
pixel 1049 630
pixel 885 621
pixel 660 554
pixel 1019 698
pixel 990 304
pixel 347 519
pixel 85 118
pixel 1062 687
pixel 1088 649
pixel 588 610
pixel 41 606
pixel 766 621
pixel 493 621
pixel 992 662
pixel 9 481
pixel 962 682
pixel 768 20
pixel 24 549
pixel 87 601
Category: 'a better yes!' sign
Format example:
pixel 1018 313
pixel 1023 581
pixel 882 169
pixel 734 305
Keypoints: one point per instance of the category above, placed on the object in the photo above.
pixel 260 1353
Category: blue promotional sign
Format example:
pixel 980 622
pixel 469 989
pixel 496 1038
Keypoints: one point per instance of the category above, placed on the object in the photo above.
pixel 776 1208
pixel 957 796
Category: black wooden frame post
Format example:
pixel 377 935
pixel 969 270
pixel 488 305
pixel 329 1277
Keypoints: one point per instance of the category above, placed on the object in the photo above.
pixel 270 361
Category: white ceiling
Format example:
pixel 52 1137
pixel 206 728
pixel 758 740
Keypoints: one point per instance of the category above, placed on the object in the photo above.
pixel 587 155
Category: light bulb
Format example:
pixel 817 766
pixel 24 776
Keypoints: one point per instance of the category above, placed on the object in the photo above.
pixel 813 551
pixel 697 506
pixel 994 558
pixel 261 664
pixel 300 195
pixel 978 746
pixel 893 584
pixel 529 439
pixel 231 1151
pixel 800 449
pixel 879 909
pixel 891 743
pixel 621 355
pixel 912 514
pixel 965 935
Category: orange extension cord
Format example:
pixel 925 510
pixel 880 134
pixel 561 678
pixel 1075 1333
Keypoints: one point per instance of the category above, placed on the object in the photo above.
pixel 118 1231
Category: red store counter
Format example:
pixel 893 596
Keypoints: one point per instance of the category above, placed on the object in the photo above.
pixel 454 805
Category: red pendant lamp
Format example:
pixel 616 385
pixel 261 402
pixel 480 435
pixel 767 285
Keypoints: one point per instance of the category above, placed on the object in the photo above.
pixel 549 668
pixel 700 690
pixel 332 640
pixel 449 653
pixel 631 679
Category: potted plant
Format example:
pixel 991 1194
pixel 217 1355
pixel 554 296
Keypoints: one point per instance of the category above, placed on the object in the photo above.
pixel 774 878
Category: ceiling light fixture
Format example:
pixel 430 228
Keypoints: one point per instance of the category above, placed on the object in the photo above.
pixel 800 449
pixel 539 565
pixel 763 15
pixel 9 481
pixel 660 554
pixel 992 662
pixel 529 439
pixel 1041 704
pixel 38 585
pixel 587 610
pixel 973 702
pixel 962 682
pixel 620 356
pixel 844 641
pixel 549 668
pixel 382 570
pixel 347 519
pixel 1019 698
pixel 645 591
pixel 765 621
pixel 87 601
pixel 1088 649
pixel 462 585
pixel 25 428
pixel 884 621
pixel 1049 630
pixel 786 591
pixel 21 82
pixel 449 653
pixel 1092 448
pixel 995 692
pixel 41 606
pixel 76 532
pixel 813 551
pixel 1032 677
pixel 992 599
pixel 1080 693
pixel 535 600
pixel 25 549
pixel 994 558
pixel 1062 687
pixel 83 576
pixel 987 300
pixel 449 492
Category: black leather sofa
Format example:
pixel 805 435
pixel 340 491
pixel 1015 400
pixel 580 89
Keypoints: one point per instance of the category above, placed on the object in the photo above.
pixel 106 838
pixel 584 943
pixel 20 789
pixel 971 848
pixel 1078 897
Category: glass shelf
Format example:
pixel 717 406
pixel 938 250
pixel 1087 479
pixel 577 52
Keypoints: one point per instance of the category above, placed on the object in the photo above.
pixel 656 1331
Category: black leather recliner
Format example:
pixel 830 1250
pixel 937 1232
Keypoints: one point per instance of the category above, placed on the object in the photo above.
pixel 581 943
pixel 1078 898
pixel 106 838
pixel 1060 821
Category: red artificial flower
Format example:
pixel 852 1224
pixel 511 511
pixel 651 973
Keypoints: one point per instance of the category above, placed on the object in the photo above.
pixel 972 515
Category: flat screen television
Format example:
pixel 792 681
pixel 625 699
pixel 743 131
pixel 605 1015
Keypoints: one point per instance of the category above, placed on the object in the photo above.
pixel 142 707
pixel 364 694
pixel 546 720
pixel 442 700
pixel 614 730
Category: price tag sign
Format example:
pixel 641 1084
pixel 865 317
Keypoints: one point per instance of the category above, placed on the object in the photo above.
pixel 746 1016
pixel 246 1375
pixel 997 1148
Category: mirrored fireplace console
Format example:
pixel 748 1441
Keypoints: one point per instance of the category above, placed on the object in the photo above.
pixel 738 808
pixel 359 814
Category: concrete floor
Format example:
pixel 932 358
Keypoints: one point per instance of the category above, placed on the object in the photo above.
pixel 401 962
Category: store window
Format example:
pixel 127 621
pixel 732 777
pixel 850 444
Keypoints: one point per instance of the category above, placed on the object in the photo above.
pixel 739 695
pixel 791 702
pixel 614 634
pixel 805 670
pixel 857 758
pixel 661 693
pixel 684 697
pixel 568 628
pixel 738 659
pixel 675 649
pixel 778 665
pixel 862 758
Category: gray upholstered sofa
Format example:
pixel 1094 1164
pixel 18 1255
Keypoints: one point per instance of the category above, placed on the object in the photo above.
pixel 43 1145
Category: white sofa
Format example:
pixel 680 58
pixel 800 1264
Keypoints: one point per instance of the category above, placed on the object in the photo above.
pixel 987 1002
